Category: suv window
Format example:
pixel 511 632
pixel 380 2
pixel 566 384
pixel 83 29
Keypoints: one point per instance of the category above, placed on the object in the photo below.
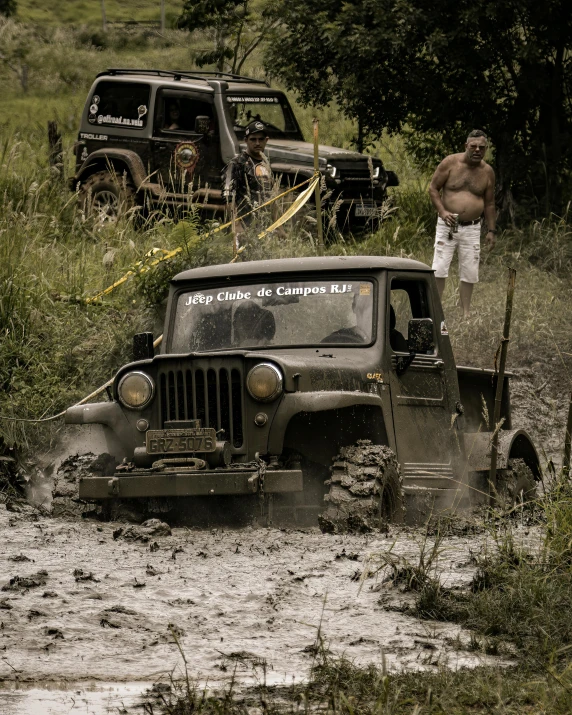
pixel 408 299
pixel 124 104
pixel 272 109
pixel 286 314
pixel 178 111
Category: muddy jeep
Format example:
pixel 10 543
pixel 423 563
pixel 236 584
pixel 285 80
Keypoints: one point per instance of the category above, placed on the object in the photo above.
pixel 314 388
pixel 158 138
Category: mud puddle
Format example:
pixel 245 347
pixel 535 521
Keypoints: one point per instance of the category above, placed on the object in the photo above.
pixel 85 603
pixel 56 698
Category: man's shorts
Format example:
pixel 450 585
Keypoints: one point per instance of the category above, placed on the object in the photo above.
pixel 468 240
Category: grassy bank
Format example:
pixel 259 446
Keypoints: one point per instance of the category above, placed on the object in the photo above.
pixel 76 12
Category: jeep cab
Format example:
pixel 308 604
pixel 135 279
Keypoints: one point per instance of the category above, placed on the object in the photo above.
pixel 154 137
pixel 294 379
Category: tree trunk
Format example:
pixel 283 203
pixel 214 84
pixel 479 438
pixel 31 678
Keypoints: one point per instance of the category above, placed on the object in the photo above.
pixel 103 17
pixel 219 47
pixel 504 199
pixel 359 142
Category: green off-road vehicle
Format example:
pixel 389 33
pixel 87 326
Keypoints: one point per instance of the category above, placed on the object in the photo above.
pixel 282 382
pixel 159 138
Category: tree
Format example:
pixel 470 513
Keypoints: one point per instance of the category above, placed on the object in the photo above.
pixel 16 42
pixel 442 69
pixel 8 7
pixel 239 26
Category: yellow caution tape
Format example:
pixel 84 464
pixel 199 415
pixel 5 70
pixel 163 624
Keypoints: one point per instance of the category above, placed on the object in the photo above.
pixel 144 266
pixel 293 209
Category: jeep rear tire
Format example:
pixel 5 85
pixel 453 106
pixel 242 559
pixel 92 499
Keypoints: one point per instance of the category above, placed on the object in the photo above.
pixel 107 196
pixel 515 485
pixel 366 492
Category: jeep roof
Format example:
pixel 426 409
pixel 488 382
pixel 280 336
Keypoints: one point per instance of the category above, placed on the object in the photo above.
pixel 195 80
pixel 302 265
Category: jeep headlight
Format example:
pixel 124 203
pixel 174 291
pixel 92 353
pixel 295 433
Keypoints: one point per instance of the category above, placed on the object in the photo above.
pixel 331 171
pixel 264 382
pixel 136 390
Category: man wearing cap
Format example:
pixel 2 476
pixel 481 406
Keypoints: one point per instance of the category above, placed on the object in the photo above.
pixel 462 190
pixel 247 178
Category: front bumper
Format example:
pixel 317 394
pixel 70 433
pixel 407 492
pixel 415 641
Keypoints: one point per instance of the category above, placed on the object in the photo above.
pixel 145 483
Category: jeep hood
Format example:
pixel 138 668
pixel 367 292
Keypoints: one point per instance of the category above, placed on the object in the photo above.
pixel 302 153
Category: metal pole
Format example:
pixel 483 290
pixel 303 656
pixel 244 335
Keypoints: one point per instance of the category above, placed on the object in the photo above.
pixel 318 194
pixel 567 441
pixel 500 384
pixel 162 15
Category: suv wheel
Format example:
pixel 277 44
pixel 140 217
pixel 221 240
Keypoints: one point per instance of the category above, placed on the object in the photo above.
pixel 365 490
pixel 107 196
pixel 515 485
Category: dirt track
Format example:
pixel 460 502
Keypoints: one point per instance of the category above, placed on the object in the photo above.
pixel 105 609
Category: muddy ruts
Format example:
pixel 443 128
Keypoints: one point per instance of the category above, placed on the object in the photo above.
pixel 365 490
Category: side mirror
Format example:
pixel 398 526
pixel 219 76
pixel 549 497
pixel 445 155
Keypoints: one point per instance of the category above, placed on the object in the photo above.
pixel 202 124
pixel 143 346
pixel 420 335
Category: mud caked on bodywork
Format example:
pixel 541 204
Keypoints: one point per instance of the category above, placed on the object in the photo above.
pixel 286 381
pixel 153 137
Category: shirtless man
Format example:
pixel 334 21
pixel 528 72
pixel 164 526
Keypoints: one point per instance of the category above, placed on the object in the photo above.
pixel 463 184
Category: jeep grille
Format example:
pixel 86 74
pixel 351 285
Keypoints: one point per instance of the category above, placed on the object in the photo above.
pixel 213 396
pixel 353 170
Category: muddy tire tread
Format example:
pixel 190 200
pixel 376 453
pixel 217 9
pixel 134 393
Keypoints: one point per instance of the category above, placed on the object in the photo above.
pixel 366 490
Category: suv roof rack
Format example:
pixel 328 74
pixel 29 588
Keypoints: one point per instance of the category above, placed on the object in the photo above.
pixel 179 74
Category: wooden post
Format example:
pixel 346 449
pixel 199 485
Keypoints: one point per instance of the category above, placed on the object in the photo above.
pixel 567 441
pixel 233 228
pixel 55 155
pixel 103 17
pixel 318 194
pixel 500 384
pixel 162 15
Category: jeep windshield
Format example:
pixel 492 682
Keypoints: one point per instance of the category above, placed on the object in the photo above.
pixel 284 314
pixel 272 109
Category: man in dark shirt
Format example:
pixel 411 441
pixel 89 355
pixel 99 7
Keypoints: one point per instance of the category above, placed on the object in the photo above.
pixel 247 178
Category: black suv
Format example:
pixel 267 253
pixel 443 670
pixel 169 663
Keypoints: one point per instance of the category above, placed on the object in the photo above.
pixel 156 138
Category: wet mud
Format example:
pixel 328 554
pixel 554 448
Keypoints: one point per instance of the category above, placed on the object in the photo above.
pixel 98 606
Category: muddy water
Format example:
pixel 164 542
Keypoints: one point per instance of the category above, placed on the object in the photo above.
pixel 250 602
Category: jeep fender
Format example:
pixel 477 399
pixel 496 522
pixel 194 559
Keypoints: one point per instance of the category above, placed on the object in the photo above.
pixel 108 414
pixel 513 444
pixel 119 159
pixel 297 402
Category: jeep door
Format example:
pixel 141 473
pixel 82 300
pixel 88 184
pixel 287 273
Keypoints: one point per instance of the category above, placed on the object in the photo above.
pixel 424 393
pixel 186 147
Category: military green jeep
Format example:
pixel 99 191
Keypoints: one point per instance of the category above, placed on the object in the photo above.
pixel 158 138
pixel 316 388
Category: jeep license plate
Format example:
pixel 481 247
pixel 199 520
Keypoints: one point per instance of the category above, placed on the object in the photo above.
pixel 369 210
pixel 174 441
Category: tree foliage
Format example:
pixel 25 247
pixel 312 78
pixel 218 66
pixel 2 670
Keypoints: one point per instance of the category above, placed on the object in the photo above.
pixel 238 27
pixel 442 69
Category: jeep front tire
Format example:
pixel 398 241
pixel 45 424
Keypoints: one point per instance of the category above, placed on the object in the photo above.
pixel 366 490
